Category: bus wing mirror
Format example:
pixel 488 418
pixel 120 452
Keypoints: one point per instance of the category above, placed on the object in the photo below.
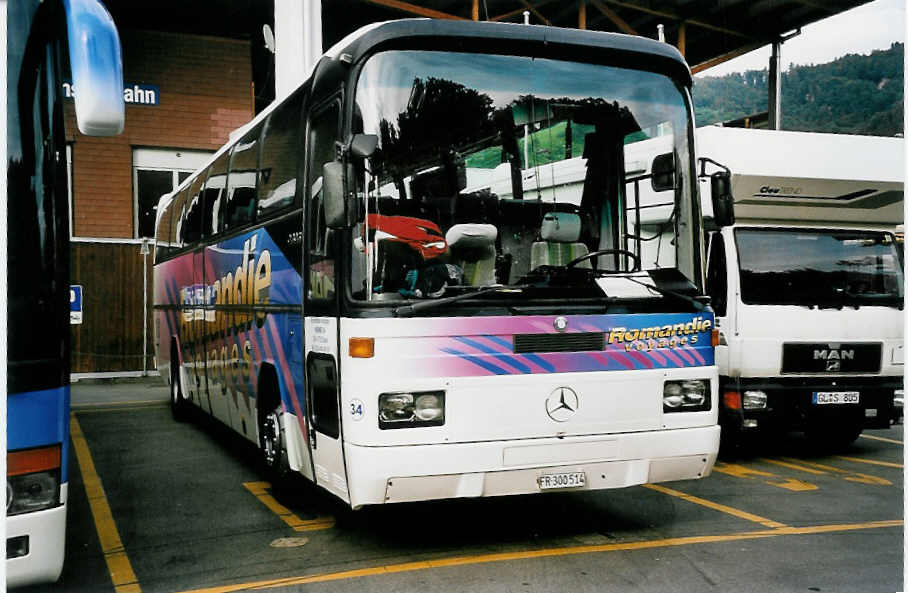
pixel 97 68
pixel 723 202
pixel 363 145
pixel 663 177
pixel 337 207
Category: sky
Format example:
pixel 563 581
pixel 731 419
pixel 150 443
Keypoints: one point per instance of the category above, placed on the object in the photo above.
pixel 861 30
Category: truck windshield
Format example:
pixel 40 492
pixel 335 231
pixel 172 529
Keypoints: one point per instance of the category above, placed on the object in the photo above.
pixel 492 168
pixel 818 268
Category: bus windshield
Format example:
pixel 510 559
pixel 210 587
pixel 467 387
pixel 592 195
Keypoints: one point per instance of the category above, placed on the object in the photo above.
pixel 502 170
pixel 818 268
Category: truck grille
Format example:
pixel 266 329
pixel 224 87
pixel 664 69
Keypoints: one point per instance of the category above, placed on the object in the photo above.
pixel 831 358
pixel 572 342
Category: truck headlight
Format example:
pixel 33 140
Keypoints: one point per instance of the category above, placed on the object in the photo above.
pixel 689 395
pixel 411 409
pixel 754 400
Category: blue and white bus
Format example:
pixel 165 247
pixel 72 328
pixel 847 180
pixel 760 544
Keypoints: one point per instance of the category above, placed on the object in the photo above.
pixel 37 258
pixel 379 284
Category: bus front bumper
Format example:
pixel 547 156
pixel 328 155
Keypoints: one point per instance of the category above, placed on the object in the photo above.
pixel 46 533
pixel 379 475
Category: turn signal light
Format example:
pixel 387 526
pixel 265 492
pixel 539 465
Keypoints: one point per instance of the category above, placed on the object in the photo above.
pixel 715 338
pixel 732 400
pixel 362 347
pixel 33 460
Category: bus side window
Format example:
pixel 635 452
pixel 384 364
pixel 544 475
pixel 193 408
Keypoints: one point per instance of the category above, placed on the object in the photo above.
pixel 162 231
pixel 213 194
pixel 177 220
pixel 242 178
pixel 192 220
pixel 280 156
pixel 717 275
pixel 323 133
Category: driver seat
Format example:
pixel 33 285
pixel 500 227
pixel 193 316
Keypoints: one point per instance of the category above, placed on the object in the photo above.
pixel 559 232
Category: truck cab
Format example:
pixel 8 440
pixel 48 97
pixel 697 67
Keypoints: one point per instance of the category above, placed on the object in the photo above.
pixel 807 284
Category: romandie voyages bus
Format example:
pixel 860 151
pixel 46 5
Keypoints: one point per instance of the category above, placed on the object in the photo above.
pixel 37 255
pixel 350 285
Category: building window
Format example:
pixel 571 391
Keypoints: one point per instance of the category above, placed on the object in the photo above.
pixel 155 173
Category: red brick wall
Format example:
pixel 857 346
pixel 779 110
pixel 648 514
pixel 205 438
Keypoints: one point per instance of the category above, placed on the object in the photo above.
pixel 205 88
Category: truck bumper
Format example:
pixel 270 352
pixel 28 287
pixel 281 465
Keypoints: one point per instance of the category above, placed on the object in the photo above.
pixel 790 406
pixel 379 475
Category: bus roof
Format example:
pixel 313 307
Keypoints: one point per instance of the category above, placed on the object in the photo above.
pixel 462 35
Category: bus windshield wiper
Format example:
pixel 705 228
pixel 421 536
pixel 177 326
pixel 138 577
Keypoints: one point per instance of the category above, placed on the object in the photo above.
pixel 699 306
pixel 422 306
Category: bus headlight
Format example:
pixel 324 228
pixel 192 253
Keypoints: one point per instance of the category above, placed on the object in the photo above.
pixel 33 479
pixel 411 409
pixel 32 492
pixel 689 395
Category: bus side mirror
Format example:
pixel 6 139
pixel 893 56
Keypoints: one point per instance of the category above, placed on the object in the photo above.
pixel 663 177
pixel 723 202
pixel 97 68
pixel 363 145
pixel 337 207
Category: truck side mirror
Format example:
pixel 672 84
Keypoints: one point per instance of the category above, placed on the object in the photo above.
pixel 723 202
pixel 337 206
pixel 663 177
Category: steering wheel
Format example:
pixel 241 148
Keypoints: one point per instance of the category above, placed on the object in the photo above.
pixel 599 252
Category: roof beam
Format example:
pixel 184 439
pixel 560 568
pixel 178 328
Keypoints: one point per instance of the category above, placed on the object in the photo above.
pixel 613 16
pixel 417 10
pixel 726 57
pixel 677 17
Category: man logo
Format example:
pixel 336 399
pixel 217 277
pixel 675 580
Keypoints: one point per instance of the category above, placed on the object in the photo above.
pixel 833 356
pixel 561 404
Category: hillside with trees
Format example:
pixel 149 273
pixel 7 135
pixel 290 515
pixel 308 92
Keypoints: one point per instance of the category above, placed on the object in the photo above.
pixel 855 94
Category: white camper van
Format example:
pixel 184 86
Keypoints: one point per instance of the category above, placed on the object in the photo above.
pixel 807 284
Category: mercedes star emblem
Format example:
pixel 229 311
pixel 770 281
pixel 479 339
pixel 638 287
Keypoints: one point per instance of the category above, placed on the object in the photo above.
pixel 561 404
pixel 561 323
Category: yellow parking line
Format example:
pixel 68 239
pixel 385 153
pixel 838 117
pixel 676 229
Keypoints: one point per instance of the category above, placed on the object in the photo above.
pixel 260 491
pixel 884 439
pixel 739 471
pixel 715 506
pixel 849 475
pixel 543 553
pixel 790 465
pixel 121 407
pixel 872 461
pixel 121 573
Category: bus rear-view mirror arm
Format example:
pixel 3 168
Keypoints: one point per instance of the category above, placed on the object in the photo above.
pixel 363 146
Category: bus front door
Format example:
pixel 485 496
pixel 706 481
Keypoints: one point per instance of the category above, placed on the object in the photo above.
pixel 322 398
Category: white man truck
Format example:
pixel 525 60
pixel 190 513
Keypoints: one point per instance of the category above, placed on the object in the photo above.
pixel 807 284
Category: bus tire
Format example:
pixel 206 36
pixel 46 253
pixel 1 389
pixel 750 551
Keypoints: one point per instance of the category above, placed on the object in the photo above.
pixel 179 407
pixel 272 439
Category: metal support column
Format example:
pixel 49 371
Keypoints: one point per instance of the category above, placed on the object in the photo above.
pixel 775 86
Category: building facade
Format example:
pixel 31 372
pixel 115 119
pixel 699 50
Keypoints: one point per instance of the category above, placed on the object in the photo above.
pixel 184 94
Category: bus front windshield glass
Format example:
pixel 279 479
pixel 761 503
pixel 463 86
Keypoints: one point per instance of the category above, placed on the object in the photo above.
pixel 818 268
pixel 502 170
